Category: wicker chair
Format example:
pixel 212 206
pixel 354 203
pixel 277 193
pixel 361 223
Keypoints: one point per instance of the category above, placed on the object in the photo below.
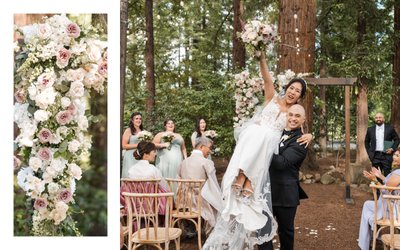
pixel 143 209
pixel 187 202
pixel 384 221
pixel 392 240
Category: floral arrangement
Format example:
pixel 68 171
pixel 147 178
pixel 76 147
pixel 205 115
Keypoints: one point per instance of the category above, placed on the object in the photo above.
pixel 246 96
pixel 282 79
pixel 145 136
pixel 55 69
pixel 210 134
pixel 168 137
pixel 258 36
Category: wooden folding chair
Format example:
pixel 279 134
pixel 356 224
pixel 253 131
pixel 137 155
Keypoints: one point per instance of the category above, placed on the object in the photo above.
pixel 187 202
pixel 384 221
pixel 140 186
pixel 143 209
pixel 392 240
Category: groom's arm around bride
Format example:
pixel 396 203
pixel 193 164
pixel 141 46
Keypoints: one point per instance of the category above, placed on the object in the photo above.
pixel 284 175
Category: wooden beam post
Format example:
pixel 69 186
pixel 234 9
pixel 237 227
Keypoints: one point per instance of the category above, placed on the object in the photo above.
pixel 349 200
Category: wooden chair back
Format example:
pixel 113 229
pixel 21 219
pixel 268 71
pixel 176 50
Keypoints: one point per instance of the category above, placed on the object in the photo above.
pixel 392 240
pixel 188 202
pixel 381 219
pixel 143 209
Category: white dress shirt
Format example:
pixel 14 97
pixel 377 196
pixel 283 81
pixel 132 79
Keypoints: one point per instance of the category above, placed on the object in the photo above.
pixel 380 135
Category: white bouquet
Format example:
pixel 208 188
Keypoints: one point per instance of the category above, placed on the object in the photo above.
pixel 145 136
pixel 168 137
pixel 210 134
pixel 258 36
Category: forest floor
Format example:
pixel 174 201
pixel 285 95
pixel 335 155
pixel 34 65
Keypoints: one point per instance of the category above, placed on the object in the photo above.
pixel 324 220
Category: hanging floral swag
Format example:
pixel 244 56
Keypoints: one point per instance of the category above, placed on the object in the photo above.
pixel 56 68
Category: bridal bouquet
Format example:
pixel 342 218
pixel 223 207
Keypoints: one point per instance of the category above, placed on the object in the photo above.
pixel 168 137
pixel 210 134
pixel 145 136
pixel 56 67
pixel 258 36
pixel 246 96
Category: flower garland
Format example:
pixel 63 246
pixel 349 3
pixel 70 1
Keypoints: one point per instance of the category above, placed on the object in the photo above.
pixel 56 67
pixel 282 79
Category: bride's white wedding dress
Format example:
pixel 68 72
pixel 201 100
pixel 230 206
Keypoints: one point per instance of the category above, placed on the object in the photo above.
pixel 242 225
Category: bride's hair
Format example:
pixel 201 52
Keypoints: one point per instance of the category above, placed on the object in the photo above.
pixel 303 85
pixel 143 147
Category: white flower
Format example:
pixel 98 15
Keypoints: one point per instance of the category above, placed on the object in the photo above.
pixel 93 53
pixel 22 176
pixel 75 171
pixel 45 98
pixel 59 213
pixel 76 89
pixel 65 102
pixel 53 188
pixel 43 30
pixel 73 146
pixel 46 80
pixel 83 123
pixel 41 115
pixel 35 163
pixel 57 165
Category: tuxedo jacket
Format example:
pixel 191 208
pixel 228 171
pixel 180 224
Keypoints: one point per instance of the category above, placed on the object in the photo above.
pixel 284 172
pixel 370 139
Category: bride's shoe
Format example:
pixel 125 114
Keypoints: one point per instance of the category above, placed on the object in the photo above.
pixel 246 195
pixel 237 188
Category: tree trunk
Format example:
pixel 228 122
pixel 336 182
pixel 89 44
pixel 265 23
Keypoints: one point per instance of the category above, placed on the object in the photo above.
pixel 296 51
pixel 322 113
pixel 395 114
pixel 362 99
pixel 122 71
pixel 239 51
pixel 149 60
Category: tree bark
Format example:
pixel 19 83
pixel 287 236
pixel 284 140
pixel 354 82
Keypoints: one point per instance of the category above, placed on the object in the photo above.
pixel 395 113
pixel 149 60
pixel 122 71
pixel 297 51
pixel 322 113
pixel 362 98
pixel 239 51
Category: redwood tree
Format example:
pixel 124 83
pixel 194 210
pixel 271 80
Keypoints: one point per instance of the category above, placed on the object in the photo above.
pixel 297 22
pixel 239 51
pixel 149 60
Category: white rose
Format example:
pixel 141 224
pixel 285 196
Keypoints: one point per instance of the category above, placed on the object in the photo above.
pixel 94 53
pixel 35 163
pixel 83 123
pixel 59 213
pixel 32 91
pixel 46 98
pixel 53 188
pixel 65 102
pixel 76 89
pixel 58 164
pixel 41 115
pixel 75 171
pixel 73 146
pixel 47 178
pixel 75 75
pixel 22 176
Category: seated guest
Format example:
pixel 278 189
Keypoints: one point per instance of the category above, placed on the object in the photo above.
pixel 197 166
pixel 367 215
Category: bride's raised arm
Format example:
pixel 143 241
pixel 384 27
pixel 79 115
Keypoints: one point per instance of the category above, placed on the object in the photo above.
pixel 269 90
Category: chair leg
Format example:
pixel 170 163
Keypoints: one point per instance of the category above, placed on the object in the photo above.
pixel 374 237
pixel 199 232
pixel 178 243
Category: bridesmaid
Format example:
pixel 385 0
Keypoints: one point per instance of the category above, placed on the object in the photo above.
pixel 200 127
pixel 170 154
pixel 130 142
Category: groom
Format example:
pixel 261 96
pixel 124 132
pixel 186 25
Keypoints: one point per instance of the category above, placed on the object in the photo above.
pixel 284 175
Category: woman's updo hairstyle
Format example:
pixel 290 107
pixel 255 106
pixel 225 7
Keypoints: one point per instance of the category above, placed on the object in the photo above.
pixel 143 147
pixel 303 85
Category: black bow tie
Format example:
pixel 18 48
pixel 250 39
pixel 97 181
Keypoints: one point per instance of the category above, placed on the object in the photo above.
pixel 287 132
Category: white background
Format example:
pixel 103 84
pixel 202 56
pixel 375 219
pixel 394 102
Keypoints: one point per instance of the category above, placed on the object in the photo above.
pixel 7 11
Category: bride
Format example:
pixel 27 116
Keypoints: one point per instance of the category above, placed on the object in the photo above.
pixel 246 218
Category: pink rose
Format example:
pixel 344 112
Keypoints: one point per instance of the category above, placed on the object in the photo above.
pixel 40 204
pixel 46 79
pixel 65 196
pixel 73 30
pixel 103 69
pixel 63 117
pixel 45 154
pixel 72 109
pixel 20 96
pixel 17 162
pixel 63 57
pixel 45 135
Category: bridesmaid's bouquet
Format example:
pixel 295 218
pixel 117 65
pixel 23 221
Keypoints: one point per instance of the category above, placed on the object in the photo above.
pixel 168 137
pixel 258 36
pixel 210 134
pixel 145 136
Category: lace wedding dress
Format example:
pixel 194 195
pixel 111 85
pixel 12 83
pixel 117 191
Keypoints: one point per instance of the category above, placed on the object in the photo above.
pixel 241 225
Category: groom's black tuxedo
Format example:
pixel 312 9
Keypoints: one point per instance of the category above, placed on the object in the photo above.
pixel 285 188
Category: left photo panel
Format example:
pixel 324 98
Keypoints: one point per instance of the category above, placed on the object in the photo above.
pixel 60 124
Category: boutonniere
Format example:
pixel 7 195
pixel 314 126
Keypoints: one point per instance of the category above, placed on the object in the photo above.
pixel 285 138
